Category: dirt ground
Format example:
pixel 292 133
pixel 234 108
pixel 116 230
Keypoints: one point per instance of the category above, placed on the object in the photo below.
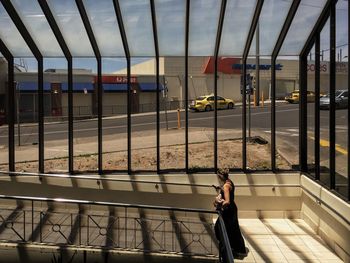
pixel 201 155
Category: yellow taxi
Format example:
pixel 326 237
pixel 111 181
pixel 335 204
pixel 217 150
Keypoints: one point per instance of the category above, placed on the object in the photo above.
pixel 206 103
pixel 294 97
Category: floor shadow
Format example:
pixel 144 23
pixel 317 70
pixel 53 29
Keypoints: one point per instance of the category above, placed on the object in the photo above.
pixel 35 235
pixel 255 246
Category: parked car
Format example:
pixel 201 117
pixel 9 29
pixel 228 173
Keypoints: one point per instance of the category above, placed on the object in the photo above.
pixel 341 100
pixel 294 97
pixel 206 103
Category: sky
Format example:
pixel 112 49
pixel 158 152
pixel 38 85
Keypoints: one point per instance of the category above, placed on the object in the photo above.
pixel 170 15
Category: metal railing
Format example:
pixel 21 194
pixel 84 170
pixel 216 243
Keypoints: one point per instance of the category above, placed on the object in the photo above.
pixel 118 226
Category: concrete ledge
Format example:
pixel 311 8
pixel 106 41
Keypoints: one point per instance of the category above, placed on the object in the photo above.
pixel 328 215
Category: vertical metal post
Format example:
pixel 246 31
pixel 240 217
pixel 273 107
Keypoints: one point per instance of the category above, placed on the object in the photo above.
pixel 348 101
pixel 303 113
pixel 244 117
pixel 32 221
pixel 10 105
pixel 244 71
pixel 188 3
pixel 70 117
pixel 332 83
pixel 317 107
pixel 257 66
pixel 99 111
pixel 155 38
pixel 127 55
pixel 217 46
pixel 273 115
pixel 41 113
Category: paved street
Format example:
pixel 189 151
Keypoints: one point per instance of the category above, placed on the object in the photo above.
pixel 287 124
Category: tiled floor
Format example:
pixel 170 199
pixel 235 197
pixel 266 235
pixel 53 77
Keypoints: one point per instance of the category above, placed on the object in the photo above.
pixel 284 240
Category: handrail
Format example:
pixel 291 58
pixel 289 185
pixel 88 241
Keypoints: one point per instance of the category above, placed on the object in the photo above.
pixel 93 177
pixel 225 239
pixel 89 202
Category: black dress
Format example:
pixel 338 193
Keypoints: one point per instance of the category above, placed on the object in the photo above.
pixel 229 215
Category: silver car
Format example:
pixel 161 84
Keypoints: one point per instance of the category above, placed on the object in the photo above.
pixel 341 100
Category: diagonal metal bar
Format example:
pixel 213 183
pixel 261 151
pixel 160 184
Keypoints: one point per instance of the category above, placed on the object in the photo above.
pixel 156 48
pixel 127 55
pixel 11 104
pixel 37 54
pixel 60 39
pixel 285 28
pixel 217 46
pixel 244 62
pixel 97 53
pixel 317 28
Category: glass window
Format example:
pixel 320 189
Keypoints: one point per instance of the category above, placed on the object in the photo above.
pixel 171 23
pixel 11 37
pixel 105 26
pixel 38 27
pixel 138 26
pixel 303 23
pixel 272 17
pixel 238 17
pixel 67 16
pixel 204 18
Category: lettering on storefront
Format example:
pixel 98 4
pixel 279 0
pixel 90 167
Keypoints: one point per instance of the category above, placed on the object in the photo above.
pixel 117 79
pixel 261 66
pixel 341 67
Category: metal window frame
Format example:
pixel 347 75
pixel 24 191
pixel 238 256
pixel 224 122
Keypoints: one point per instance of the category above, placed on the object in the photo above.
pixel 348 102
pixel 60 39
pixel 248 43
pixel 284 31
pixel 98 57
pixel 11 105
pixel 188 6
pixel 156 49
pixel 332 83
pixel 317 106
pixel 216 54
pixel 39 57
pixel 128 61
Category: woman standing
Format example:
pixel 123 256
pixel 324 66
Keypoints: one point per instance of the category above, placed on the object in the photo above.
pixel 225 202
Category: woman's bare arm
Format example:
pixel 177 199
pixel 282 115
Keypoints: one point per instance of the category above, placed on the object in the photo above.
pixel 227 189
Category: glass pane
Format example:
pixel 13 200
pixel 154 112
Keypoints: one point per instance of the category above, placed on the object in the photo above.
pixel 143 118
pixel 84 114
pixel 172 116
pixel 114 122
pixel 324 105
pixel 3 115
pixel 38 27
pixel 11 37
pixel 303 23
pixel 201 115
pixel 138 26
pixel 272 17
pixel 204 18
pixel 236 26
pixel 171 23
pixel 71 25
pixel 26 126
pixel 56 117
pixel 342 98
pixel 311 112
pixel 287 112
pixel 105 27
